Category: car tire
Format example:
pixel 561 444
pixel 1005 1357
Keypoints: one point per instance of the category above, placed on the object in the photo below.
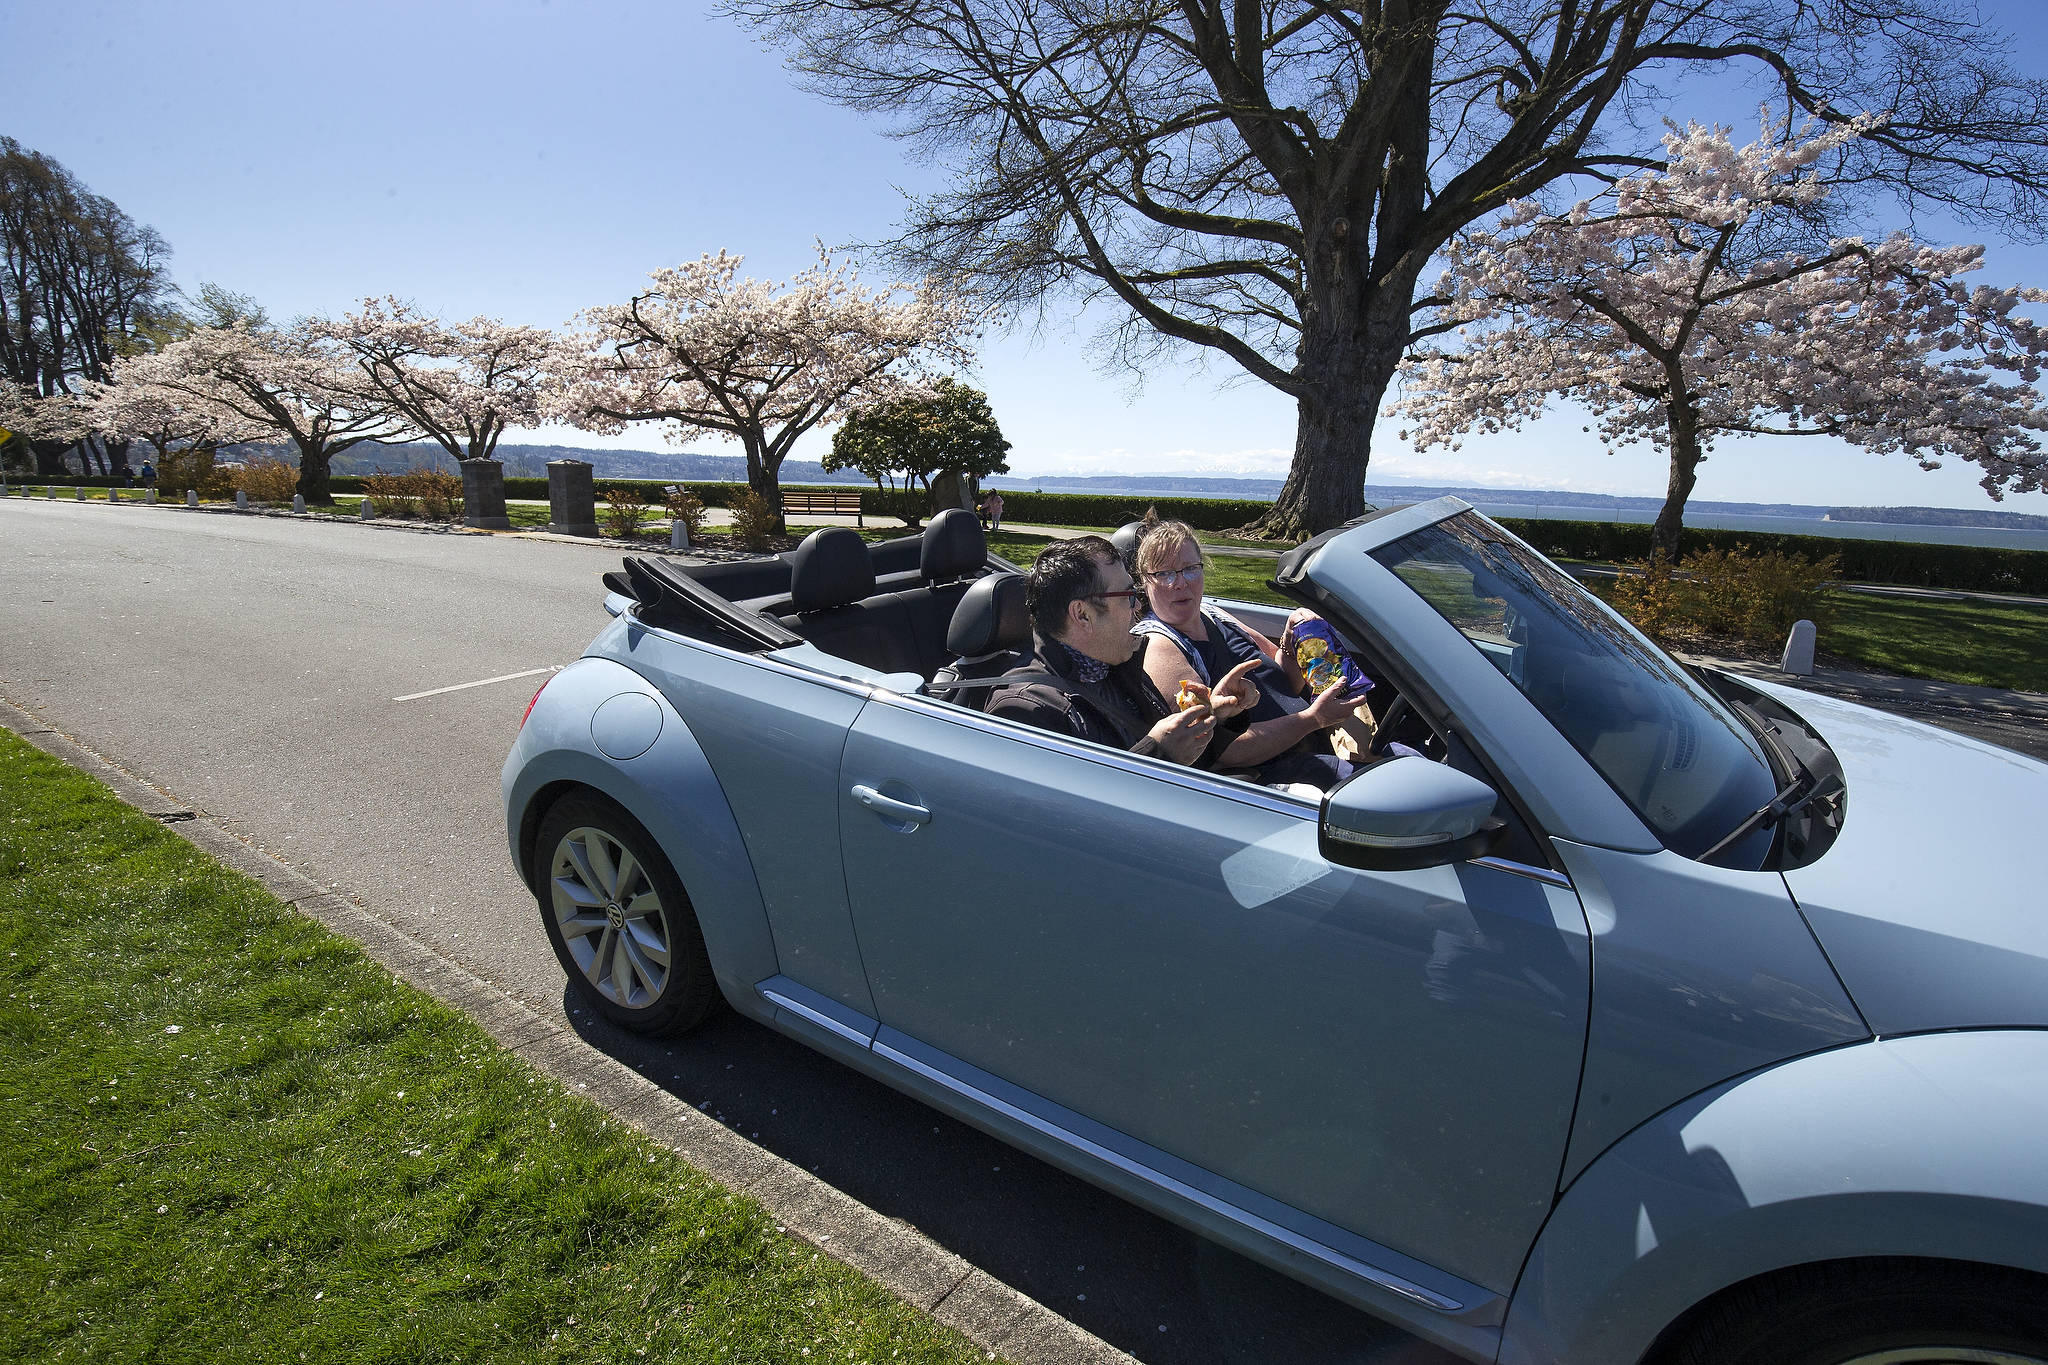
pixel 1875 1313
pixel 618 919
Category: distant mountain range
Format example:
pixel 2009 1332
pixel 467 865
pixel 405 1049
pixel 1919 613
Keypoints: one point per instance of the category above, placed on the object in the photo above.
pixel 531 461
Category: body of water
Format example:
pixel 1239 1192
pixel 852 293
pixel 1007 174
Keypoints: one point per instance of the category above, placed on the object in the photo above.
pixel 2000 537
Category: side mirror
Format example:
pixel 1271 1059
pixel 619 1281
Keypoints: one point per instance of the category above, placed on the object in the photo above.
pixel 1408 813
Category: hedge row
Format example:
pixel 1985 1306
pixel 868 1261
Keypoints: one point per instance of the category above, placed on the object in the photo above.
pixel 1966 568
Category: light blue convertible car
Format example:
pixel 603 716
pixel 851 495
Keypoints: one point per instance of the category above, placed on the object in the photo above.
pixel 1653 1014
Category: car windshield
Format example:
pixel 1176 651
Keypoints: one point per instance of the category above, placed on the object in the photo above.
pixel 1687 766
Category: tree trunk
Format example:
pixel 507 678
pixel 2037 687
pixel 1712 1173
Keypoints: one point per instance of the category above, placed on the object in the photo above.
pixel 313 485
pixel 1347 360
pixel 50 456
pixel 1683 419
pixel 762 477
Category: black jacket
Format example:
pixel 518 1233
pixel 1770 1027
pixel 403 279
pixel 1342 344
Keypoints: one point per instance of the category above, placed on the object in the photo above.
pixel 1119 711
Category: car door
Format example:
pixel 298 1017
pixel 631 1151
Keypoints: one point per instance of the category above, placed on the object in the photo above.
pixel 1164 953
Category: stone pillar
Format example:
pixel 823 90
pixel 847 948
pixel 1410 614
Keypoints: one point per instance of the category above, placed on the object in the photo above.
pixel 191 497
pixel 572 498
pixel 241 500
pixel 149 496
pixel 483 494
pixel 299 504
pixel 113 493
pixel 365 510
pixel 78 491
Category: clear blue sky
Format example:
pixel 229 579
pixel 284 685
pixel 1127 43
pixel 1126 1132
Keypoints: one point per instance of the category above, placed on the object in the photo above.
pixel 524 159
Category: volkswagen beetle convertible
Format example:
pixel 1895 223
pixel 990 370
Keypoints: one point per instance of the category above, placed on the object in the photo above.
pixel 1648 1014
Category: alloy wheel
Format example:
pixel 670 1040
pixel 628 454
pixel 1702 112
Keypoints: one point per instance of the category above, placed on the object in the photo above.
pixel 611 917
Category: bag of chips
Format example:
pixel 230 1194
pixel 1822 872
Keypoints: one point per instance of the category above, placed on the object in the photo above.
pixel 1323 661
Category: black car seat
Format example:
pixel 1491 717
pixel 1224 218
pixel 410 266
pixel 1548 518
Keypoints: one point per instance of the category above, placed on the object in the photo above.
pixel 830 576
pixel 990 634
pixel 955 551
pixel 1125 538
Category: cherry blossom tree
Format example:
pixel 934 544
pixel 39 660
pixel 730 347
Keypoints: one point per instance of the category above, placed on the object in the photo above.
pixel 286 382
pixel 1671 306
pixel 754 361
pixel 57 421
pixel 129 407
pixel 461 383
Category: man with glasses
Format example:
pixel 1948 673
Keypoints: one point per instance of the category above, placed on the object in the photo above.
pixel 1086 680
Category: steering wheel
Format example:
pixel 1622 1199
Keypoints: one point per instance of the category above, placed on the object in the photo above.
pixel 1398 712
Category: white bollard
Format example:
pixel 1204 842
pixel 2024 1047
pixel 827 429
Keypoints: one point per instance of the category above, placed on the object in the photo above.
pixel 191 497
pixel 241 501
pixel 1799 650
pixel 365 511
pixel 678 536
pixel 299 503
pixel 149 496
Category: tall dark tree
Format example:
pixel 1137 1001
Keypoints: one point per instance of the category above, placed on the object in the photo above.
pixel 78 279
pixel 1267 179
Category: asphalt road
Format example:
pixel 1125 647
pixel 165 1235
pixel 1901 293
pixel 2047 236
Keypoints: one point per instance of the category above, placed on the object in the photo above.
pixel 270 672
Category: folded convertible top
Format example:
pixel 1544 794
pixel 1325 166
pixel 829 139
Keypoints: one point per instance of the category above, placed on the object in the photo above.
pixel 675 601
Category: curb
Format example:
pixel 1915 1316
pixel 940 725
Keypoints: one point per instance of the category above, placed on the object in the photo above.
pixel 918 1270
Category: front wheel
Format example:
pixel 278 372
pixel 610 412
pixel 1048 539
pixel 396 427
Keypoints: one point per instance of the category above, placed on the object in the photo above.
pixel 1876 1313
pixel 619 921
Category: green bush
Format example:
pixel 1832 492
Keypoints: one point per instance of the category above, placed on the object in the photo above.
pixel 909 505
pixel 753 519
pixel 1727 595
pixel 625 510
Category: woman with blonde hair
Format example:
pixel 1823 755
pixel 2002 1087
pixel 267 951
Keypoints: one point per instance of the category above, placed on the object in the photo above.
pixel 1190 640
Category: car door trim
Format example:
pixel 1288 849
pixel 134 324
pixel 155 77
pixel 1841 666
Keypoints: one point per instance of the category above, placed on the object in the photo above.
pixel 1177 1189
pixel 1535 874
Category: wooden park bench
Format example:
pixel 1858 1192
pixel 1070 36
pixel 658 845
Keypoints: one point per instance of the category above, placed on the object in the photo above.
pixel 829 502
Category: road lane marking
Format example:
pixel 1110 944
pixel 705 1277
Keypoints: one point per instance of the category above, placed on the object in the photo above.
pixel 480 682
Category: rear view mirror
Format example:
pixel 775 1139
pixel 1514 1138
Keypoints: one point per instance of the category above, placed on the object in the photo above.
pixel 1408 813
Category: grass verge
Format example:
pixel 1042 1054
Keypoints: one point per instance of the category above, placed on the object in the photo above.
pixel 230 1136
pixel 1990 644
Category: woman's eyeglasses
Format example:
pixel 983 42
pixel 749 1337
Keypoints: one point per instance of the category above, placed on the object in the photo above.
pixel 1173 578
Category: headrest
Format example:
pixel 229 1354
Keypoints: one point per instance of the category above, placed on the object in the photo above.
pixel 954 546
pixel 1126 538
pixel 990 617
pixel 830 569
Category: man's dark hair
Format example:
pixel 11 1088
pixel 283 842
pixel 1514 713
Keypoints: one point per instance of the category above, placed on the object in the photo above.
pixel 1065 572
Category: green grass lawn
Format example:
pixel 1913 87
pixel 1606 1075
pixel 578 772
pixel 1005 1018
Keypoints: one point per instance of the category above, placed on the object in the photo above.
pixel 1991 644
pixel 226 1135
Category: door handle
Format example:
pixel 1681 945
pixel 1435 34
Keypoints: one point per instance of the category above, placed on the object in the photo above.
pixel 889 807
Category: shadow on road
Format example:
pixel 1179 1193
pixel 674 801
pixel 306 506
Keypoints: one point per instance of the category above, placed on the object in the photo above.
pixel 1138 1282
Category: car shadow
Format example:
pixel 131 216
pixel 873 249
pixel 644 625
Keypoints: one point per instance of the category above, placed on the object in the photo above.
pixel 1147 1287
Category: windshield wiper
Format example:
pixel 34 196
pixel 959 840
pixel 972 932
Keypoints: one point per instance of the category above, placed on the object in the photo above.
pixel 1800 793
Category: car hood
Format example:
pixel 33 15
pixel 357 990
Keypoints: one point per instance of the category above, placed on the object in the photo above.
pixel 1930 903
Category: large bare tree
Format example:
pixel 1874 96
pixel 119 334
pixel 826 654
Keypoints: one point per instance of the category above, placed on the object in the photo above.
pixel 78 279
pixel 1267 179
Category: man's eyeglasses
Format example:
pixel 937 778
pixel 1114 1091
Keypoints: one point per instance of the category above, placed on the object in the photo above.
pixel 1133 595
pixel 1173 578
